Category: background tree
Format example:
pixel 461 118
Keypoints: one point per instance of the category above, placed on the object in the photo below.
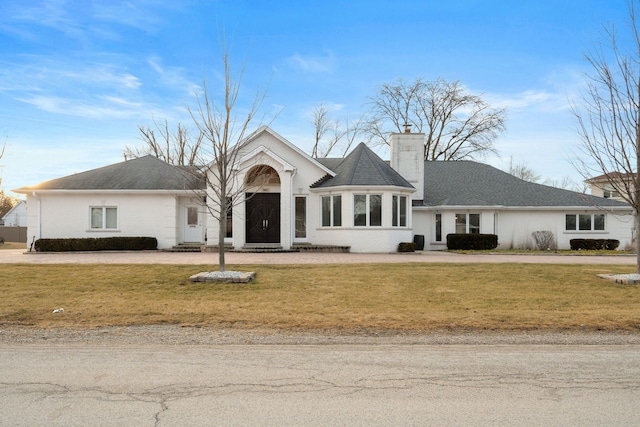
pixel 6 202
pixel 331 134
pixel 608 116
pixel 522 171
pixel 223 134
pixel 457 124
pixel 177 147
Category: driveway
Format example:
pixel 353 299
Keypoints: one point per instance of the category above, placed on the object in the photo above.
pixel 157 257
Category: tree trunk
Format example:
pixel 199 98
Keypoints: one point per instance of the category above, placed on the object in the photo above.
pixel 222 232
pixel 637 236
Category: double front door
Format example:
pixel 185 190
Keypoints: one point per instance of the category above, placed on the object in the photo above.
pixel 263 218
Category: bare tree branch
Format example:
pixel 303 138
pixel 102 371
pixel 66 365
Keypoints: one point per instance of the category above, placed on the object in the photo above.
pixel 457 125
pixel 608 117
pixel 225 133
pixel 177 147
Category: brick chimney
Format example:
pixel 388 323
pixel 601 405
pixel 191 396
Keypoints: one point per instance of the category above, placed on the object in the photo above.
pixel 407 158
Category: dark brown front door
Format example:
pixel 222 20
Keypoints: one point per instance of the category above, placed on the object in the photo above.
pixel 263 218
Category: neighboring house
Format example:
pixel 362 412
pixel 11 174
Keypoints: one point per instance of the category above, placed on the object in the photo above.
pixel 17 215
pixel 292 200
pixel 601 186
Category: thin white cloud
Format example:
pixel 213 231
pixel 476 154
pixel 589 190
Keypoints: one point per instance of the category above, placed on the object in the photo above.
pixel 83 19
pixel 103 107
pixel 313 63
pixel 530 100
pixel 174 77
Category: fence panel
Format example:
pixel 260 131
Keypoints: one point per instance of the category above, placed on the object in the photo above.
pixel 14 234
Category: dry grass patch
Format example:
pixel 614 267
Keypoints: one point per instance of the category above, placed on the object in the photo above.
pixel 13 245
pixel 363 296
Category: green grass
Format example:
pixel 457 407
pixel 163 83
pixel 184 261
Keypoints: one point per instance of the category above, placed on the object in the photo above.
pixel 417 297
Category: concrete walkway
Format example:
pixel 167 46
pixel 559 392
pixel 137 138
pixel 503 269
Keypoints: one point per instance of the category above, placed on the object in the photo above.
pixel 153 257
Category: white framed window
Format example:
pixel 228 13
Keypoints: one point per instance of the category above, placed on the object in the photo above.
pixel 585 222
pixel 332 211
pixel 104 218
pixel 229 218
pixel 367 210
pixel 467 223
pixel 300 217
pixel 399 211
pixel 438 226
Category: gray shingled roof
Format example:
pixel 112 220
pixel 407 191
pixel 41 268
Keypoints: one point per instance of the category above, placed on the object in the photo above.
pixel 468 183
pixel 361 167
pixel 144 173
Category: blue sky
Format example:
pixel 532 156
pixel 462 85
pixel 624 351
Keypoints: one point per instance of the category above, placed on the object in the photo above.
pixel 77 77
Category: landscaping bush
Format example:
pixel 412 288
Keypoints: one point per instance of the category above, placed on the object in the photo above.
pixel 545 240
pixel 594 244
pixel 406 247
pixel 97 244
pixel 472 241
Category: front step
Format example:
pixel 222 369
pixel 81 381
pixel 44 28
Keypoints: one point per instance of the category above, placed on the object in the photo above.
pixel 186 247
pixel 263 248
pixel 322 248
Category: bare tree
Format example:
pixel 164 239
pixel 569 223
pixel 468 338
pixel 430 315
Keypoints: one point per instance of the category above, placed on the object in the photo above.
pixel 567 183
pixel 457 124
pixel 321 124
pixel 4 146
pixel 224 133
pixel 331 134
pixel 522 171
pixel 177 147
pixel 6 202
pixel 608 117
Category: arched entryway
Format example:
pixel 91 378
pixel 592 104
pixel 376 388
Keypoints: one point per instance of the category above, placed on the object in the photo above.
pixel 262 205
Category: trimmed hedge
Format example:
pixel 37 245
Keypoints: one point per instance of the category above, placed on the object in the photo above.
pixel 594 244
pixel 472 241
pixel 406 247
pixel 97 244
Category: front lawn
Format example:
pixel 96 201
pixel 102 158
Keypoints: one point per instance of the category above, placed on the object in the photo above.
pixel 417 297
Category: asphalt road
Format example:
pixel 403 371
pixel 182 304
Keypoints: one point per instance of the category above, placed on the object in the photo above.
pixel 350 385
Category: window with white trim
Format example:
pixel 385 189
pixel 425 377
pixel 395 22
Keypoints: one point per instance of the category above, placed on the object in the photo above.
pixel 585 222
pixel 300 217
pixel 229 218
pixel 467 223
pixel 399 211
pixel 104 218
pixel 367 210
pixel 332 211
pixel 438 227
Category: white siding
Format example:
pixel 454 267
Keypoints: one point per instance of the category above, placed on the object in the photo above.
pixel 67 215
pixel 383 239
pixel 514 227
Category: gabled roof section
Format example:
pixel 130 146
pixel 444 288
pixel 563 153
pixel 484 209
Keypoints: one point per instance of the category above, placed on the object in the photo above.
pixel 615 176
pixel 362 167
pixel 276 135
pixel 468 183
pixel 21 204
pixel 143 173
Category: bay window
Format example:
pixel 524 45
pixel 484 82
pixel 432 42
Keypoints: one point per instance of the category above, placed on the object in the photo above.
pixel 332 211
pixel 399 211
pixel 367 210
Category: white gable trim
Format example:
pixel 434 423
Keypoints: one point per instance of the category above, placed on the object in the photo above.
pixel 293 147
pixel 267 152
